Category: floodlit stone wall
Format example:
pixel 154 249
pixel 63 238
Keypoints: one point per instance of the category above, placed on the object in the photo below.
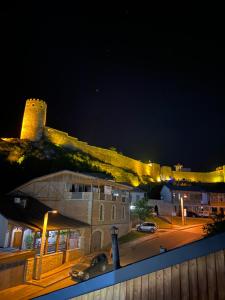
pixel 215 176
pixel 121 167
pixel 114 161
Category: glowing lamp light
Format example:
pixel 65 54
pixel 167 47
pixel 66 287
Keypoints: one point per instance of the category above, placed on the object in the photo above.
pixel 132 207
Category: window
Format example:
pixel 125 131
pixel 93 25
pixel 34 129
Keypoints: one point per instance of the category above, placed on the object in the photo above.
pixel 113 214
pixel 101 212
pixel 123 212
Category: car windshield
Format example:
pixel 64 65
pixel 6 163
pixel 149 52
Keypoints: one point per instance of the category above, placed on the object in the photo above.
pixel 149 224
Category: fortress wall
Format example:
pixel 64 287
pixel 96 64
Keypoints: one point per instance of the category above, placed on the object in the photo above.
pixel 108 156
pixel 215 176
pixel 166 173
pixel 111 161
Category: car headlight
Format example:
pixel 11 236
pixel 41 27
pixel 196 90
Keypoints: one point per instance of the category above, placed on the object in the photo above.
pixel 80 273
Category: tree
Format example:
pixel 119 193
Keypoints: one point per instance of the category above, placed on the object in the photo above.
pixel 141 209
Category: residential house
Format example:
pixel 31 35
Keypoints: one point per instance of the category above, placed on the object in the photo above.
pixel 203 199
pixel 21 224
pixel 98 202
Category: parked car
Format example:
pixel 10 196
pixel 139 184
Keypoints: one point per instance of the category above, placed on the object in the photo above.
pixel 204 214
pixel 192 214
pixel 89 266
pixel 147 227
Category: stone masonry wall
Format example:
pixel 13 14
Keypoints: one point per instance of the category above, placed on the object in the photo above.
pixel 109 157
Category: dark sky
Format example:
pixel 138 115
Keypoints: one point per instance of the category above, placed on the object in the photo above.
pixel 148 82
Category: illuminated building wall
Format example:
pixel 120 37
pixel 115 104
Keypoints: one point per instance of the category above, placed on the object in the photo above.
pixel 123 168
pixel 34 119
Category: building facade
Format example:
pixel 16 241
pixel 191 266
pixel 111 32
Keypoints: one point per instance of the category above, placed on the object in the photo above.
pixel 203 200
pixel 98 202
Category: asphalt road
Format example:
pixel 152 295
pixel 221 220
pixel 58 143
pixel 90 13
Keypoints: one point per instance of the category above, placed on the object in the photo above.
pixel 167 239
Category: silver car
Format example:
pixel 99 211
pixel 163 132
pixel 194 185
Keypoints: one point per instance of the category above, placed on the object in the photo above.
pixel 147 227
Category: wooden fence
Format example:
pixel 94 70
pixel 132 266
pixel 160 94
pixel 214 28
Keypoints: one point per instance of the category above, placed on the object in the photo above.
pixel 201 278
pixel 194 271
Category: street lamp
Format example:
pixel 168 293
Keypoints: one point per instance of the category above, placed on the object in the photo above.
pixel 43 239
pixel 182 208
pixel 115 248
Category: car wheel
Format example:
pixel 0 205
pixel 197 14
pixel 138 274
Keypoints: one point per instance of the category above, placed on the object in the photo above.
pixel 103 268
pixel 86 276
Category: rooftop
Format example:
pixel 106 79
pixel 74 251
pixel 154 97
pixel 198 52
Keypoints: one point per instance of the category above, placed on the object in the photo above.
pixel 30 213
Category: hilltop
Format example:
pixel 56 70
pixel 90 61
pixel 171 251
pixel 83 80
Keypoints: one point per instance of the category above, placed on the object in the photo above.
pixel 22 160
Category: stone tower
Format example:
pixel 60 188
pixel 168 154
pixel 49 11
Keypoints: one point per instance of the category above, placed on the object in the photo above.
pixel 34 119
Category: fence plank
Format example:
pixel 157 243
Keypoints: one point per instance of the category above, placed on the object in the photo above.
pixel 130 287
pixel 137 288
pixel 176 282
pixel 220 274
pixel 167 283
pixel 152 286
pixel 123 288
pixel 97 295
pixel 103 293
pixel 91 296
pixel 109 293
pixel 159 285
pixel 184 281
pixel 193 279
pixel 202 278
pixel 144 287
pixel 211 276
pixel 116 291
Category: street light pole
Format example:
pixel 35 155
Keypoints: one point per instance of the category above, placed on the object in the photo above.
pixel 115 248
pixel 182 209
pixel 43 239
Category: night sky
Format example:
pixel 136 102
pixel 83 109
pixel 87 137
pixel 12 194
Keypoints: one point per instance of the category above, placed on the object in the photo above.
pixel 147 82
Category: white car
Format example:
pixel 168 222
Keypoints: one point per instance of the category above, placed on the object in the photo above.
pixel 147 227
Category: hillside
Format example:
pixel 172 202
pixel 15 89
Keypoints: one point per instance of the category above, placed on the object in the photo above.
pixel 22 160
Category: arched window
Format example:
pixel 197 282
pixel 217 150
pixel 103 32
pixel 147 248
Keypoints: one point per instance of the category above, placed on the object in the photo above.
pixel 123 212
pixel 113 212
pixel 101 212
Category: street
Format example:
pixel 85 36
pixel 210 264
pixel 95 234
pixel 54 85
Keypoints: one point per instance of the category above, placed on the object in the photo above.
pixel 166 238
pixel 129 253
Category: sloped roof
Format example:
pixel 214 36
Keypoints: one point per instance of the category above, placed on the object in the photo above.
pixel 32 213
pixel 82 178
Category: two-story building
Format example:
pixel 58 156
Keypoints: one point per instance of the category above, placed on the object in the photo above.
pixel 98 202
pixel 203 199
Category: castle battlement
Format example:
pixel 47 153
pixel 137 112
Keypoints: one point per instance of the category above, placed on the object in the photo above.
pixel 36 102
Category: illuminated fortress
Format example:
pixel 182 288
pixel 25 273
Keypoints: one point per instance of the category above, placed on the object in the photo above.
pixel 34 128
